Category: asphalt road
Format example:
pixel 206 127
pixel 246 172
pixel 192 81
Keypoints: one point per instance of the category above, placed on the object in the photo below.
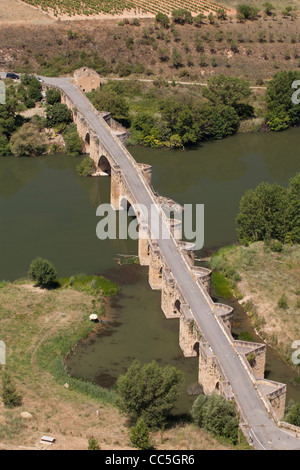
pixel 264 432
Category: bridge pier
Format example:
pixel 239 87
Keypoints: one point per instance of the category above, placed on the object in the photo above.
pixel 188 336
pixel 155 267
pixel 209 375
pixel 169 295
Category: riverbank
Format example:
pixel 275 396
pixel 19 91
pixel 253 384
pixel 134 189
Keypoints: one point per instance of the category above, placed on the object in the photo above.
pixel 265 280
pixel 39 328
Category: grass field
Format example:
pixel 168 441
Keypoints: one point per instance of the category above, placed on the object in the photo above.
pixel 262 278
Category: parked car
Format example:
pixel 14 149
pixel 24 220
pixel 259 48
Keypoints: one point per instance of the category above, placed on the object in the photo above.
pixel 14 76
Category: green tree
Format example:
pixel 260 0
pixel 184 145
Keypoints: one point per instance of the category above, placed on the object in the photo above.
pixel 28 141
pixel 58 114
pixel 139 435
pixel 216 415
pixel 108 100
pixel 270 212
pixel 86 167
pixel 182 16
pixel 10 396
pixel 149 392
pixel 162 19
pixel 42 272
pixel 53 96
pixel 72 140
pixel 247 12
pixel 281 111
pixel 230 91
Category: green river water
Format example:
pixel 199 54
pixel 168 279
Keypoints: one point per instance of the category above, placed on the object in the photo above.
pixel 47 210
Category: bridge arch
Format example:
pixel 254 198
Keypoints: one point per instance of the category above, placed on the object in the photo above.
pixel 177 306
pixel 104 165
pixel 196 347
pixel 87 139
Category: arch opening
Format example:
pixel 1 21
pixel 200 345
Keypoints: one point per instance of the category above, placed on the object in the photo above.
pixel 87 139
pixel 196 348
pixel 177 306
pixel 104 165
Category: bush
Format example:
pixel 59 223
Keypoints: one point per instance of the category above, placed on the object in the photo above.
pixel 53 96
pixel 149 392
pixel 57 114
pixel 86 167
pixel 72 140
pixel 292 415
pixel 10 396
pixel 216 415
pixel 27 141
pixel 247 12
pixel 162 19
pixel 93 444
pixel 282 302
pixel 139 435
pixel 42 272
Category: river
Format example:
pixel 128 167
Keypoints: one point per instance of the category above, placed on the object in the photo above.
pixel 47 210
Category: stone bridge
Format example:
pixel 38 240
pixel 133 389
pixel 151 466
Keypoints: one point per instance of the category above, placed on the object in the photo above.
pixel 229 367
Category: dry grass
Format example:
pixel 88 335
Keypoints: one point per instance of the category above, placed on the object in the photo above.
pixel 261 48
pixel 265 277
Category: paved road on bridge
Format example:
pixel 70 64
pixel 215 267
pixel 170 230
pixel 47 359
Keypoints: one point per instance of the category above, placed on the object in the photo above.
pixel 264 432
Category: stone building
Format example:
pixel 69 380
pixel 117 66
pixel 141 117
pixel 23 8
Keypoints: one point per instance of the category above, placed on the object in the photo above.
pixel 87 79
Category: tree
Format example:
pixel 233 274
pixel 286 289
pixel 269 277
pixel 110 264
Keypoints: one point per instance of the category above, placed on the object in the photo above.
pixel 139 435
pixel 149 392
pixel 247 12
pixel 72 141
pixel 57 114
pixel 226 90
pixel 162 19
pixel 270 212
pixel 108 100
pixel 10 396
pixel 86 167
pixel 42 272
pixel 27 141
pixel 216 415
pixel 281 111
pixel 182 16
pixel 53 96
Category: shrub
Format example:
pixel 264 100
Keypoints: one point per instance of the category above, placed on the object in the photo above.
pixel 10 396
pixel 282 302
pixel 42 272
pixel 139 435
pixel 72 140
pixel 53 96
pixel 247 12
pixel 93 444
pixel 162 19
pixel 149 392
pixel 27 141
pixel 86 167
pixel 216 415
pixel 292 415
